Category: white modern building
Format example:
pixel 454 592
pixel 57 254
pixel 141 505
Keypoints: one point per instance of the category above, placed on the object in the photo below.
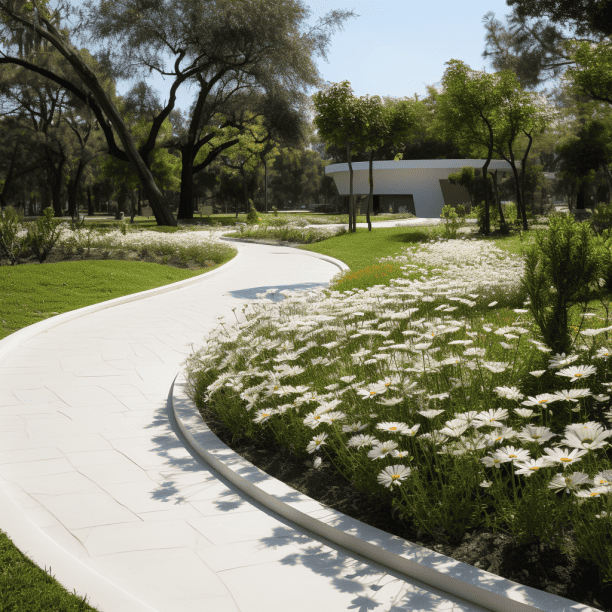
pixel 418 186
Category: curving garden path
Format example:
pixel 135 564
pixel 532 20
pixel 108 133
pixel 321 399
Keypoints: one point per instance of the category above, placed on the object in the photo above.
pixel 98 482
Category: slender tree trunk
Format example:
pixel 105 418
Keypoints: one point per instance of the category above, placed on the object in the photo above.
pixel 90 202
pixel 139 202
pixel 185 210
pixel 523 169
pixel 581 196
pixel 487 220
pixel 371 197
pixel 502 219
pixel 352 219
pixel 56 189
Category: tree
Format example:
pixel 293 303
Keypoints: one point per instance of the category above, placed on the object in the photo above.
pixel 467 110
pixel 534 51
pixel 521 114
pixel 36 18
pixel 340 120
pixel 583 155
pixel 244 159
pixel 384 125
pixel 466 178
pixel 221 48
pixel 587 15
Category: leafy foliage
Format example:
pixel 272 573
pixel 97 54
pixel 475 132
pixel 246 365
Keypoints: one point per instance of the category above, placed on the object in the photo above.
pixel 43 234
pixel 563 268
pixel 14 241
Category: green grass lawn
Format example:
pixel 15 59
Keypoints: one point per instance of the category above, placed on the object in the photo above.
pixel 32 293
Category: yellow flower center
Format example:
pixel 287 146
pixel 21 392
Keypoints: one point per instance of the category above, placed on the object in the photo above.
pixel 392 428
pixel 395 476
pixel 577 375
pixel 534 468
pixel 265 414
pixel 543 401
pixel 512 456
pixel 565 459
pixel 317 417
pixel 372 392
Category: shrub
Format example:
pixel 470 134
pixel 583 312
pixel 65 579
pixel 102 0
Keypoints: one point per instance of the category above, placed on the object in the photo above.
pixel 14 241
pixel 562 269
pixel 452 221
pixel 252 215
pixel 602 217
pixel 44 233
pixel 275 211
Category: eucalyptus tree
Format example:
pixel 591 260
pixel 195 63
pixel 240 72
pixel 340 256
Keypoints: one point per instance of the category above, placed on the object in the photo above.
pixel 218 47
pixel 468 110
pixel 340 119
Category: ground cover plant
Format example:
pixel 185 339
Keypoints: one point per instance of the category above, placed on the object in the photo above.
pixel 434 392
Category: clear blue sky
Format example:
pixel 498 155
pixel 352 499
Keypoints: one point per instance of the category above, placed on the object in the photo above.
pixel 394 48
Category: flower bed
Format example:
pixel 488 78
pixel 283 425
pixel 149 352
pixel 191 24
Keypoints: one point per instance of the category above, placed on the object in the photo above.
pixel 419 397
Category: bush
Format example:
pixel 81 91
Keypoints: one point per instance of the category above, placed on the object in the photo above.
pixel 275 211
pixel 452 221
pixel 602 217
pixel 14 240
pixel 563 268
pixel 43 234
pixel 252 215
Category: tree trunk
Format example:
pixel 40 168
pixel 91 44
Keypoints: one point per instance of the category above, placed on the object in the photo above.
pixel 523 169
pixel 245 189
pixel 73 188
pixel 371 197
pixel 581 196
pixel 185 210
pixel 487 220
pixel 502 219
pixel 90 202
pixel 139 202
pixel 56 188
pixel 352 218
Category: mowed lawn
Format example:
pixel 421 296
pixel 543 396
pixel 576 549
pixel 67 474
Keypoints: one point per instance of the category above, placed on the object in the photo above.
pixel 30 293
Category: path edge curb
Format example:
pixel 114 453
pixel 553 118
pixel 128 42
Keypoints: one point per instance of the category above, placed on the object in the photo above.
pixel 13 340
pixel 206 444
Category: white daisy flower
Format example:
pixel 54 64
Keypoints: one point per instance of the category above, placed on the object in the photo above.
pixel 393 427
pixel 575 373
pixel 362 440
pixel 381 450
pixel 263 415
pixel 602 353
pixel 572 395
pixel 558 361
pixel 563 456
pixel 353 427
pixel 540 400
pixel 393 475
pixel 511 393
pixel 509 453
pixel 537 373
pixel 571 482
pixel 316 442
pixel 527 468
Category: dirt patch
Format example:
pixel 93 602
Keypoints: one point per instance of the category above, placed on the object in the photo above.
pixel 546 569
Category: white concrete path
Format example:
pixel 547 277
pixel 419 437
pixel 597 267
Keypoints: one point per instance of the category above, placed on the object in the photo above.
pixel 97 481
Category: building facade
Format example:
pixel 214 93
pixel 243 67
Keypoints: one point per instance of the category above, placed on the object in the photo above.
pixel 420 186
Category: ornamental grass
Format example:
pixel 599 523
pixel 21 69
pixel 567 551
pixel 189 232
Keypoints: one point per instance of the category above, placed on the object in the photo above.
pixel 435 394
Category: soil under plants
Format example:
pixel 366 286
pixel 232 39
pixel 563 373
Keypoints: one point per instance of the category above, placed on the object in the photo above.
pixel 545 568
